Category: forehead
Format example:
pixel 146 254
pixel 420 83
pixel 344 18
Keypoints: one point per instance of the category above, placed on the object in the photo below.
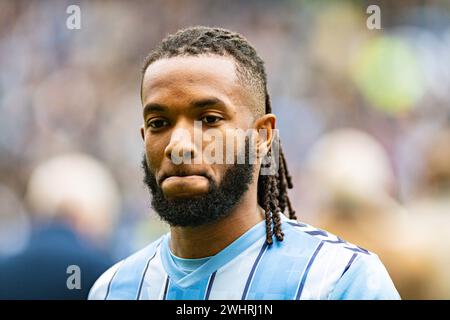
pixel 193 75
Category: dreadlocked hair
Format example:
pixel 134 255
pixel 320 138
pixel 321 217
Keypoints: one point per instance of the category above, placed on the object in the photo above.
pixel 275 195
pixel 272 189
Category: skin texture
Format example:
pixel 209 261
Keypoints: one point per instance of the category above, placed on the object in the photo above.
pixel 175 93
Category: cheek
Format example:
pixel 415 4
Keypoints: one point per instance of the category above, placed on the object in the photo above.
pixel 154 150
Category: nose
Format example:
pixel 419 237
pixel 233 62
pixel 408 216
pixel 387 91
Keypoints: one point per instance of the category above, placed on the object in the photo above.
pixel 182 147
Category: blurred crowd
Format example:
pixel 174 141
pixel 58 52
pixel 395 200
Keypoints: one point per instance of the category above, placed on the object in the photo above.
pixel 364 119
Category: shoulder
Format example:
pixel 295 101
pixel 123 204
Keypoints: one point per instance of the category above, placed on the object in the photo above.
pixel 101 287
pixel 313 235
pixel 366 278
pixel 352 272
pixel 125 273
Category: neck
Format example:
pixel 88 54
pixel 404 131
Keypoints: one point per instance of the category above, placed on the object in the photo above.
pixel 210 239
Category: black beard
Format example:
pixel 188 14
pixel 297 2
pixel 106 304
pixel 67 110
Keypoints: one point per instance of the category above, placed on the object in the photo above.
pixel 210 207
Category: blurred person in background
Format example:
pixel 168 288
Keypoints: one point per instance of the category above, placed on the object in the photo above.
pixel 430 210
pixel 74 203
pixel 433 190
pixel 14 223
pixel 355 197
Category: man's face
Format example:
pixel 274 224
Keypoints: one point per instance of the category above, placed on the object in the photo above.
pixel 176 92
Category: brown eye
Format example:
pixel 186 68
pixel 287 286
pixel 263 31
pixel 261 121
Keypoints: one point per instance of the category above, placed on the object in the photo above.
pixel 158 123
pixel 211 119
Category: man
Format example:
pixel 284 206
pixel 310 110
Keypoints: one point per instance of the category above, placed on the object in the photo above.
pixel 228 236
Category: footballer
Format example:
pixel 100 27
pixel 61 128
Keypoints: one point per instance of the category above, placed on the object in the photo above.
pixel 233 232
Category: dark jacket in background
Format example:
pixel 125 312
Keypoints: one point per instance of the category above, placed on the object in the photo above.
pixel 40 271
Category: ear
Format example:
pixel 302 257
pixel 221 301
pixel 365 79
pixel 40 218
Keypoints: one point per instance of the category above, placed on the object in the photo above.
pixel 265 126
pixel 142 132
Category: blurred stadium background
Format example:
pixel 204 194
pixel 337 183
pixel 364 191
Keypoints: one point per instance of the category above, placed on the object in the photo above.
pixel 364 117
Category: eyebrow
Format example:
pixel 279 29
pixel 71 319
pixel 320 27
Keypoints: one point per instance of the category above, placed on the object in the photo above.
pixel 207 102
pixel 196 104
pixel 154 107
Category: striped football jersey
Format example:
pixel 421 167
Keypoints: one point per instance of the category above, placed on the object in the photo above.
pixel 308 264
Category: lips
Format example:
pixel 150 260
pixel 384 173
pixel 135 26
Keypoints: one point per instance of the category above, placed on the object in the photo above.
pixel 183 174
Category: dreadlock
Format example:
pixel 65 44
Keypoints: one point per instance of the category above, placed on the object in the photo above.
pixel 272 189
